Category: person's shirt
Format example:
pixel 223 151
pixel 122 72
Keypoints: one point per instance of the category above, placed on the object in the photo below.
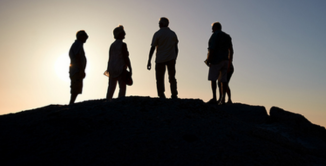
pixel 77 58
pixel 116 64
pixel 219 44
pixel 165 41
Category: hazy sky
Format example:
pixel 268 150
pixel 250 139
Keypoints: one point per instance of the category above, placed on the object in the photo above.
pixel 279 50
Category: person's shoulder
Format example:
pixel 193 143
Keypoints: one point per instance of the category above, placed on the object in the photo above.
pixel 158 31
pixel 226 34
pixel 74 43
pixel 172 31
pixel 124 44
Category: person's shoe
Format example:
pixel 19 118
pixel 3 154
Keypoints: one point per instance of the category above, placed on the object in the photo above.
pixel 212 101
pixel 162 96
pixel 221 102
pixel 174 97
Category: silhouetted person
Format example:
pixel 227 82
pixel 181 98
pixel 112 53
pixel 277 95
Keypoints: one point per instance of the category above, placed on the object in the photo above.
pixel 219 50
pixel 77 65
pixel 118 63
pixel 165 41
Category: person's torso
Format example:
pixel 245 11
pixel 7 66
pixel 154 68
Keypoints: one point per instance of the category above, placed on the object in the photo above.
pixel 116 61
pixel 220 42
pixel 166 41
pixel 77 57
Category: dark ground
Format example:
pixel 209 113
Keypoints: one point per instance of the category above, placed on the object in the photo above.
pixel 151 131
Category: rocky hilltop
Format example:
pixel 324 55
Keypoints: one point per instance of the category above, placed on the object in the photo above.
pixel 152 131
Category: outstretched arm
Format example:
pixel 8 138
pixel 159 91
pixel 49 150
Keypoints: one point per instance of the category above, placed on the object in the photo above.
pixel 151 52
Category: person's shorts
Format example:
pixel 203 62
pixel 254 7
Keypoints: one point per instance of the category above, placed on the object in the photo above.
pixel 76 85
pixel 218 71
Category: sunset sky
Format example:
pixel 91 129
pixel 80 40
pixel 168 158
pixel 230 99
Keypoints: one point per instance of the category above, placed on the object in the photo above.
pixel 279 50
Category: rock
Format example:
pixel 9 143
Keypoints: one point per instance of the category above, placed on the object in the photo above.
pixel 151 131
pixel 295 120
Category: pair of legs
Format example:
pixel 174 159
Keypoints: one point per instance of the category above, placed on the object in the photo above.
pixel 218 72
pixel 76 86
pixel 228 90
pixel 112 86
pixel 223 88
pixel 160 72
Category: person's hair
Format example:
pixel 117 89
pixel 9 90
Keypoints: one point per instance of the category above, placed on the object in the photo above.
pixel 164 22
pixel 217 25
pixel 80 34
pixel 117 31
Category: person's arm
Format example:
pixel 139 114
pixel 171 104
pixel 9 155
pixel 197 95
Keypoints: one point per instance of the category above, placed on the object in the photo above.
pixel 79 64
pixel 209 57
pixel 231 52
pixel 176 50
pixel 125 56
pixel 211 46
pixel 110 52
pixel 151 52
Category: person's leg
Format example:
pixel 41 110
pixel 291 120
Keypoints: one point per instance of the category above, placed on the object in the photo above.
pixel 73 97
pixel 122 87
pixel 228 92
pixel 213 75
pixel 111 88
pixel 224 89
pixel 219 90
pixel 76 86
pixel 213 86
pixel 172 80
pixel 223 80
pixel 160 71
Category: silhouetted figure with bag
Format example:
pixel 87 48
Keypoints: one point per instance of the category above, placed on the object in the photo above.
pixel 165 41
pixel 117 65
pixel 77 65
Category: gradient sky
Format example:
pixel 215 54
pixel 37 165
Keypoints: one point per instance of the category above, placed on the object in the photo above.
pixel 279 50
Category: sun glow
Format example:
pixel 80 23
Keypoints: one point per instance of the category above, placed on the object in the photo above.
pixel 61 67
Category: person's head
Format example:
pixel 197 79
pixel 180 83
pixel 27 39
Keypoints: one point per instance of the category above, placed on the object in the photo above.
pixel 216 26
pixel 164 22
pixel 119 32
pixel 82 36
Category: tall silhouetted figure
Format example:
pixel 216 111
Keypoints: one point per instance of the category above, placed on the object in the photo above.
pixel 118 63
pixel 219 59
pixel 165 41
pixel 77 65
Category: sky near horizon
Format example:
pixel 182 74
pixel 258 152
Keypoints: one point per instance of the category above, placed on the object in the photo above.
pixel 279 50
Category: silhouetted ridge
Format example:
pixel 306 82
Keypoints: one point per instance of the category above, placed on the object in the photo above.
pixel 152 131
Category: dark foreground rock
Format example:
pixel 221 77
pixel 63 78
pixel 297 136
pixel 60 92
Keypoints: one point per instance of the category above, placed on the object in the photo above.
pixel 151 131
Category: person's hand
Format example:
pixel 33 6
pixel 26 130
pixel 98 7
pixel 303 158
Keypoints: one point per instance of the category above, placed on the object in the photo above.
pixel 207 63
pixel 149 65
pixel 82 74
